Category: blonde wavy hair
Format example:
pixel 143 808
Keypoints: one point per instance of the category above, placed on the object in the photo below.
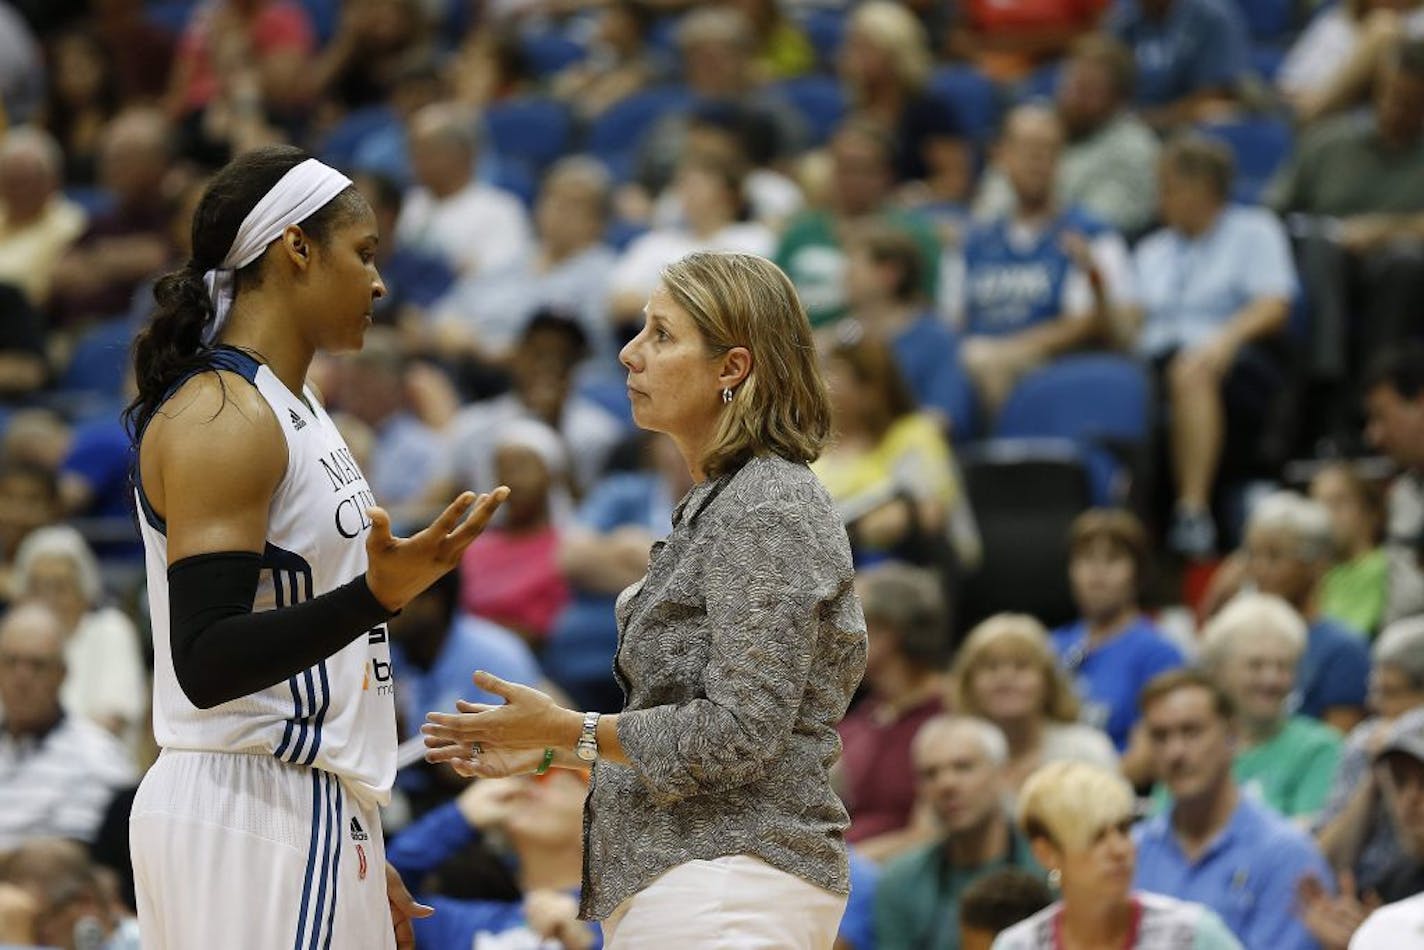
pixel 899 32
pixel 782 407
pixel 1022 637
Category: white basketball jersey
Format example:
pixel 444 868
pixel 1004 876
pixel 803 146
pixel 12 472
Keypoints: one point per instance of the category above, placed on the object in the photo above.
pixel 338 715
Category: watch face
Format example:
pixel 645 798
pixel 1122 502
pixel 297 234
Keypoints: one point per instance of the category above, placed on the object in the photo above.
pixel 587 753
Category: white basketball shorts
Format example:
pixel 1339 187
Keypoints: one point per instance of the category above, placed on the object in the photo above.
pixel 237 852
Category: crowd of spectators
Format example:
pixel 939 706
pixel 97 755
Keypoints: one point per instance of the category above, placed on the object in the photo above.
pixel 1165 255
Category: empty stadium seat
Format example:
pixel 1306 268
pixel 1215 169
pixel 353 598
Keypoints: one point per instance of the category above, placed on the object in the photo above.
pixel 1260 144
pixel 975 99
pixel 1099 401
pixel 819 100
pixel 616 134
pixel 534 129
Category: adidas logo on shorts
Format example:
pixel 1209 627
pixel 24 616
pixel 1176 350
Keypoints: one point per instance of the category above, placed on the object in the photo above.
pixel 297 421
pixel 357 832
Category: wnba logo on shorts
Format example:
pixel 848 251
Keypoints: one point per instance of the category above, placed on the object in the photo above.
pixel 361 867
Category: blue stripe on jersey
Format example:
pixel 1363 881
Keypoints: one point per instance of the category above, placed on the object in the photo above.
pixel 339 832
pixel 287 731
pixel 320 713
pixel 292 583
pixel 304 712
pixel 318 812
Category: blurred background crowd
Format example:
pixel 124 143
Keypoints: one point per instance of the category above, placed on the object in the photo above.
pixel 1120 304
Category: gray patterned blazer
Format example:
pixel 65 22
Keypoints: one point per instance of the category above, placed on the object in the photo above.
pixel 738 654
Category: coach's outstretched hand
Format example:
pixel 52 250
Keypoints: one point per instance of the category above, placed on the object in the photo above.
pixel 398 569
pixel 403 909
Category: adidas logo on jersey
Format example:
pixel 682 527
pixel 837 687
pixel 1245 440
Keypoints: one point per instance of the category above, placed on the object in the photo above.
pixel 357 832
pixel 297 421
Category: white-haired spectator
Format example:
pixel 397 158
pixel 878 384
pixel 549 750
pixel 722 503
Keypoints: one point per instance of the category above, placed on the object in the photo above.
pixel 959 763
pixel 473 226
pixel 511 574
pixel 1289 547
pixel 57 772
pixel 37 223
pixel 1253 648
pixel 1354 829
pixel 106 682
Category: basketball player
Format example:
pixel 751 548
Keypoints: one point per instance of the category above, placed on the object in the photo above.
pixel 271 574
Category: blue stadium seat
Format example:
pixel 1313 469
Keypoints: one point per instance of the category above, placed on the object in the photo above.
pixel 976 101
pixel 325 18
pixel 614 136
pixel 826 30
pixel 819 100
pixel 1260 145
pixel 342 141
pixel 549 51
pixel 1040 84
pixel 534 129
pixel 518 179
pixel 170 15
pixel 92 198
pixel 1268 20
pixel 100 357
pixel 1099 401
pixel 1266 61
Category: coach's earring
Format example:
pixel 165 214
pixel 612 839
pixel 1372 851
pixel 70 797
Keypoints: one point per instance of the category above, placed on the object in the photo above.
pixel 726 395
pixel 1055 878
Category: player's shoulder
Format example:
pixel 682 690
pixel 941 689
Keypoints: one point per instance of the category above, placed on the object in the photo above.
pixel 217 402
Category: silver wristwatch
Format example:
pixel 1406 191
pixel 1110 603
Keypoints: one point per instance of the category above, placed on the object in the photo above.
pixel 587 746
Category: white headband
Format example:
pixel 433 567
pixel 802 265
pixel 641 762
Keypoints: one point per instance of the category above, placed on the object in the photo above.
pixel 299 194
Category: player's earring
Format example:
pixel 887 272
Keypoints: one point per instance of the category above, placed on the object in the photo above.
pixel 1055 878
pixel 726 395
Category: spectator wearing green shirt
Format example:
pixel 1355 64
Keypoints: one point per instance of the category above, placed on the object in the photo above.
pixel 959 762
pixel 862 177
pixel 1252 648
pixel 1356 589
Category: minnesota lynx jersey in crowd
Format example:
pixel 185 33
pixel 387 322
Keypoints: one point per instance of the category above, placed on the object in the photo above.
pixel 339 715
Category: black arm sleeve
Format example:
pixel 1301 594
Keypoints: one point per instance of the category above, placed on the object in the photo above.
pixel 222 650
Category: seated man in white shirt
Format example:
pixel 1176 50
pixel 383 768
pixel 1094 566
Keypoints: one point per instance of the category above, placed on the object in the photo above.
pixel 1216 285
pixel 57 772
pixel 474 227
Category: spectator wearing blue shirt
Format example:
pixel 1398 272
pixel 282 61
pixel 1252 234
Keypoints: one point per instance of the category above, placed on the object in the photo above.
pixel 1289 547
pixel 1112 651
pixel 1215 845
pixel 884 278
pixel 604 551
pixel 541 819
pixel 434 649
pixel 1190 54
pixel 1039 281
pixel 1216 285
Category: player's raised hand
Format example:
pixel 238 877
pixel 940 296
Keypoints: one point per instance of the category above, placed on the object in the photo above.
pixel 398 569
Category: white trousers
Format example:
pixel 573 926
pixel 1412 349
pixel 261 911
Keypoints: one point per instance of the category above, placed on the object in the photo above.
pixel 734 903
pixel 239 852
